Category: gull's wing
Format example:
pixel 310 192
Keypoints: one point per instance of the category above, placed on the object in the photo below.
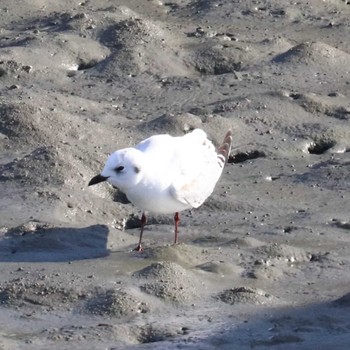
pixel 200 167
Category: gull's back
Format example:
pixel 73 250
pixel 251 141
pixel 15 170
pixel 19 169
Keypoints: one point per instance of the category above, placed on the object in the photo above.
pixel 200 170
pixel 186 167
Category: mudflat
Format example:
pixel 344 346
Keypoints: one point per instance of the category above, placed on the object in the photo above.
pixel 263 263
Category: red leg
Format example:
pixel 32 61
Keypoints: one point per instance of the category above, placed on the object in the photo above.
pixel 143 223
pixel 177 220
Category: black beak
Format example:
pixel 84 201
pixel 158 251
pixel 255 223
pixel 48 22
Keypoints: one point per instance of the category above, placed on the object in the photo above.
pixel 97 179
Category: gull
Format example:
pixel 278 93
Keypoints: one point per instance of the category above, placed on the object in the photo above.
pixel 165 174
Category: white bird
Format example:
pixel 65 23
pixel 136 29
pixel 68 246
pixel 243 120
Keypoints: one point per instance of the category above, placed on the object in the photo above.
pixel 165 174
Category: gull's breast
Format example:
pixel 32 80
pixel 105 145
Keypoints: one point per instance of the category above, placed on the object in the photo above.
pixel 155 200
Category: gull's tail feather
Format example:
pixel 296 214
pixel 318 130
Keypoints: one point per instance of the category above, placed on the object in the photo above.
pixel 224 149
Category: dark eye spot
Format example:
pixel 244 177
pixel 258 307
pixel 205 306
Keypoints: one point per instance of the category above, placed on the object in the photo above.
pixel 119 169
pixel 137 170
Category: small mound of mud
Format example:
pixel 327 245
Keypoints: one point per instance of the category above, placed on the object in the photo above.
pixel 92 334
pixel 40 167
pixel 129 32
pixel 115 303
pixel 173 124
pixel 139 45
pixel 168 290
pixel 170 282
pixel 82 53
pixel 283 253
pixel 178 124
pixel 216 60
pixel 246 295
pixel 19 120
pixel 221 268
pixel 264 271
pixel 11 67
pixel 60 50
pixel 155 333
pixel 246 242
pixel 162 270
pixel 61 22
pixel 209 240
pixel 314 53
pixel 19 292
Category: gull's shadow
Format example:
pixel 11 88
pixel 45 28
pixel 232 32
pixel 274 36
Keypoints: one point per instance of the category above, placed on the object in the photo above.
pixel 54 244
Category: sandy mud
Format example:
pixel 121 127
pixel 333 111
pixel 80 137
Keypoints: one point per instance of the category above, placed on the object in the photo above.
pixel 264 263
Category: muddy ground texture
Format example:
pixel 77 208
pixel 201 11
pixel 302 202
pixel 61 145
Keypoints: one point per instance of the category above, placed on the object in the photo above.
pixel 264 263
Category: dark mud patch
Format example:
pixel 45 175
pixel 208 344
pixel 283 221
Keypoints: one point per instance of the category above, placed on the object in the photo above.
pixel 345 225
pixel 87 65
pixel 321 146
pixel 241 157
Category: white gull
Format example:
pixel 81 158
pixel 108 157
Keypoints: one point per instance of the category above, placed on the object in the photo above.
pixel 165 174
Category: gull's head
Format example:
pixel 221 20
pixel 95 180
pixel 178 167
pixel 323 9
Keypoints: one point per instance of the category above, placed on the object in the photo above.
pixel 123 169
